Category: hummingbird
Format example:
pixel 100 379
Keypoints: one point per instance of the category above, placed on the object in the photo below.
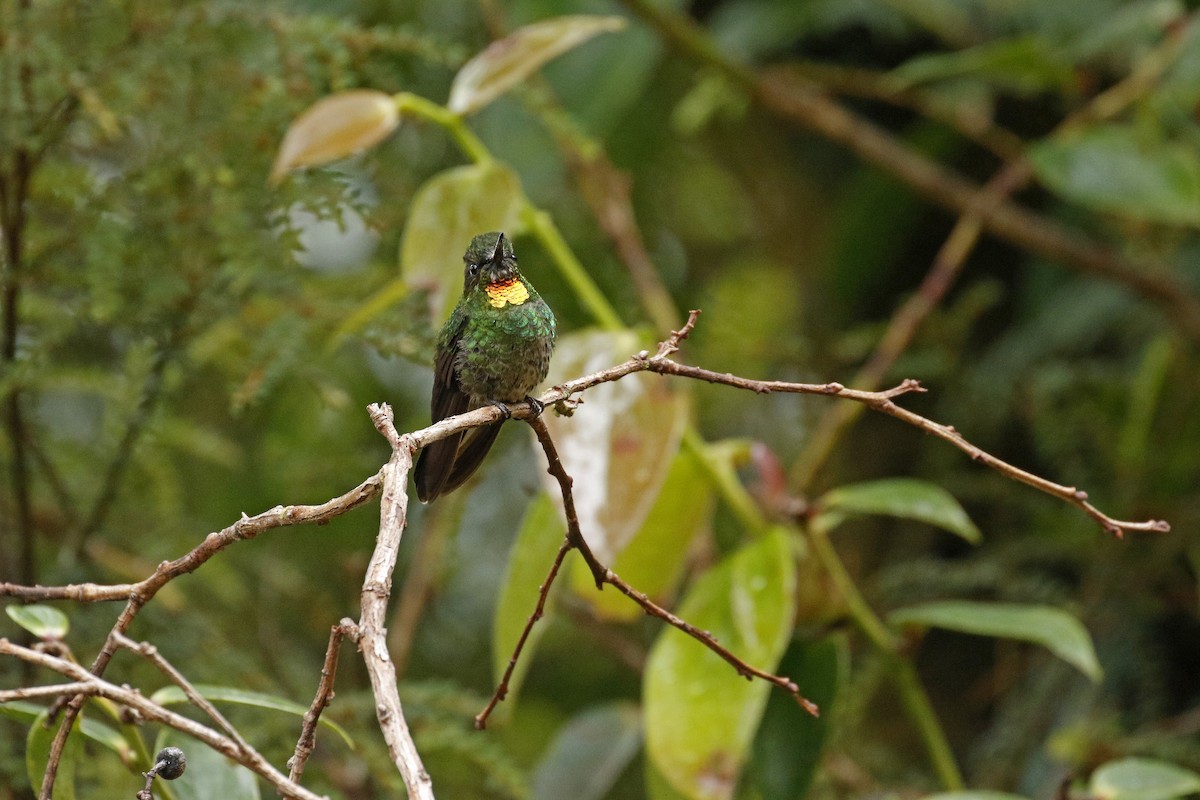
pixel 494 349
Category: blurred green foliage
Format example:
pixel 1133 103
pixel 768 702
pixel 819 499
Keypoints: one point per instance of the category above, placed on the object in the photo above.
pixel 182 343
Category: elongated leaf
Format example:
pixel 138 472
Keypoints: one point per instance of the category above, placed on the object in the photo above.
pixel 1026 65
pixel 98 732
pixel 1114 168
pixel 532 553
pixel 37 755
pixel 947 19
pixel 336 127
pixel 787 747
pixel 507 62
pixel 1143 779
pixel 653 561
pixel 44 622
pixel 618 446
pixel 173 695
pixel 900 497
pixel 447 211
pixel 589 754
pixel 1056 630
pixel 209 774
pixel 700 716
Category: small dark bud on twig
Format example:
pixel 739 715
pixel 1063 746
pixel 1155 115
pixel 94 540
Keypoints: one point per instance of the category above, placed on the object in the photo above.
pixel 170 763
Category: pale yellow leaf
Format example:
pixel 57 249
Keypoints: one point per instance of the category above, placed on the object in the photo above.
pixel 335 127
pixel 508 61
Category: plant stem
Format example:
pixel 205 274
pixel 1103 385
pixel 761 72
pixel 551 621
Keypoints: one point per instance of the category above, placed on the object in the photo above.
pixel 912 693
pixel 730 488
pixel 546 232
pixel 920 711
pixel 471 145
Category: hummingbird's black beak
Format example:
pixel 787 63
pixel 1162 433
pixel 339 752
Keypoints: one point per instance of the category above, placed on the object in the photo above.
pixel 498 253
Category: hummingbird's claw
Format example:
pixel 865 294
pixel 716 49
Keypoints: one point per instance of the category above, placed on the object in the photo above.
pixel 505 410
pixel 537 406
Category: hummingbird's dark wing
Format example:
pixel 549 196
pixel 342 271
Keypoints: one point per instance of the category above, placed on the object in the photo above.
pixel 436 460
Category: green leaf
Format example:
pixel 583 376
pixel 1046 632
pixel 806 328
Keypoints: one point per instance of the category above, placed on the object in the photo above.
pixel 507 62
pixel 589 754
pixel 1026 65
pixel 700 715
pixel 209 774
pixel 1056 630
pixel 173 695
pixel 449 209
pixel 1128 31
pixel 653 560
pixel 44 622
pixel 37 755
pixel 1113 168
pixel 906 498
pixel 787 747
pixel 1143 779
pixel 98 732
pixel 618 446
pixel 949 20
pixel 532 553
pixel 335 127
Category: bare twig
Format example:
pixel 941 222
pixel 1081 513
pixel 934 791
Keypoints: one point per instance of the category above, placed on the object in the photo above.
pixel 246 756
pixel 151 654
pixel 53 690
pixel 377 587
pixel 882 402
pixel 324 696
pixel 543 592
pixel 574 540
pixel 142 592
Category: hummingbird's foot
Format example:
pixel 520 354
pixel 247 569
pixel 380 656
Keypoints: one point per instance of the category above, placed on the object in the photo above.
pixel 537 406
pixel 505 410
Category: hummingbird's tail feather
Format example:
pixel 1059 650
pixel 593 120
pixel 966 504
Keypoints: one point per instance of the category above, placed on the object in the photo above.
pixel 433 467
pixel 471 452
pixel 445 465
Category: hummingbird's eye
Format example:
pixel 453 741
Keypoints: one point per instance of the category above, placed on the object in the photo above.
pixel 473 269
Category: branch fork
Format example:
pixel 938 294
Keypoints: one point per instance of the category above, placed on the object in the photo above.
pixel 390 485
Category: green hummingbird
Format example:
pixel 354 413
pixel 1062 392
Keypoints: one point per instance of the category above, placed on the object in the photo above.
pixel 494 349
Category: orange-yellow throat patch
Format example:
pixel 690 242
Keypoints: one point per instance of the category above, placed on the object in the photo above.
pixel 509 293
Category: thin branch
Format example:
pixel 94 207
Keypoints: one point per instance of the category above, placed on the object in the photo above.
pixel 245 528
pixel 151 654
pixel 324 696
pixel 882 402
pixel 53 690
pixel 377 587
pixel 154 712
pixel 143 592
pixel 539 610
pixel 574 540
